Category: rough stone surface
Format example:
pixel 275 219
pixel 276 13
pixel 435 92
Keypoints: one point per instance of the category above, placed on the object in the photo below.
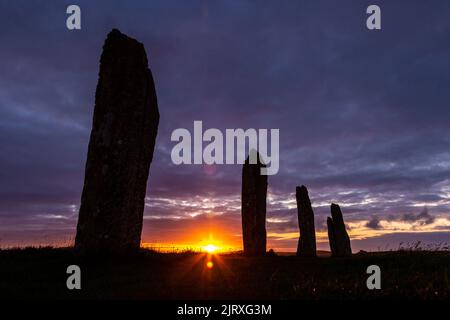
pixel 120 149
pixel 254 194
pixel 338 237
pixel 331 236
pixel 307 241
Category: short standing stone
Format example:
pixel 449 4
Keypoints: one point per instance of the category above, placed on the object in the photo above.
pixel 307 241
pixel 254 194
pixel 120 150
pixel 337 234
pixel 331 236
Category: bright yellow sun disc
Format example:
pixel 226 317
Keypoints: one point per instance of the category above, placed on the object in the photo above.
pixel 210 248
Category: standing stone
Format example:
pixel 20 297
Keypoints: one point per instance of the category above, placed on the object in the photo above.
pixel 307 241
pixel 254 194
pixel 338 237
pixel 120 149
pixel 331 238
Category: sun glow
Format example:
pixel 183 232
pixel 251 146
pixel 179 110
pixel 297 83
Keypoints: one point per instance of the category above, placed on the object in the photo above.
pixel 202 239
pixel 210 248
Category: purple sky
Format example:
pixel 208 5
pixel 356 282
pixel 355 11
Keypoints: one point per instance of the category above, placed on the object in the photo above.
pixel 364 116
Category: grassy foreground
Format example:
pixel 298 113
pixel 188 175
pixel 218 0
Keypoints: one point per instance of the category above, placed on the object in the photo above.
pixel 41 273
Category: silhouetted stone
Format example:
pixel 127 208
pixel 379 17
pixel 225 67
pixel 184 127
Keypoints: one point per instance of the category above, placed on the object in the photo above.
pixel 120 150
pixel 307 240
pixel 337 235
pixel 254 194
pixel 331 236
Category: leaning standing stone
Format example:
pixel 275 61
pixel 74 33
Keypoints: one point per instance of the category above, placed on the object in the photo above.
pixel 307 241
pixel 331 236
pixel 339 239
pixel 121 146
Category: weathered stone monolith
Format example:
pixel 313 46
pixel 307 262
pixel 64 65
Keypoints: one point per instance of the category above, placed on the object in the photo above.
pixel 121 146
pixel 307 241
pixel 331 236
pixel 338 237
pixel 254 194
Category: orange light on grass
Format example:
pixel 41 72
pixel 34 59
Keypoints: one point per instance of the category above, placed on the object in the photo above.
pixel 209 264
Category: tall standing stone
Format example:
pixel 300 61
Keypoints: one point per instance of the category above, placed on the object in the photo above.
pixel 120 149
pixel 337 235
pixel 307 241
pixel 254 194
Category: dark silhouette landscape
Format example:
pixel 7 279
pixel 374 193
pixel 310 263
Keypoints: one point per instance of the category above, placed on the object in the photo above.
pixel 358 162
pixel 406 275
pixel 107 245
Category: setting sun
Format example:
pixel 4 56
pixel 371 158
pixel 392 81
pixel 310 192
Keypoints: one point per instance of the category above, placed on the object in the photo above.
pixel 210 248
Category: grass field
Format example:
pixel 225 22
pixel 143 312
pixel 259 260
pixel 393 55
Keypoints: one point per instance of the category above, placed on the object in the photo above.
pixel 41 273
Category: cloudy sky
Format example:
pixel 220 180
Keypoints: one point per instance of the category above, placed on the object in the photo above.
pixel 364 116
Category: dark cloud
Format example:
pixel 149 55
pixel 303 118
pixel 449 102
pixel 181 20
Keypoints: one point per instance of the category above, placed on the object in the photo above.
pixel 374 223
pixel 423 217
